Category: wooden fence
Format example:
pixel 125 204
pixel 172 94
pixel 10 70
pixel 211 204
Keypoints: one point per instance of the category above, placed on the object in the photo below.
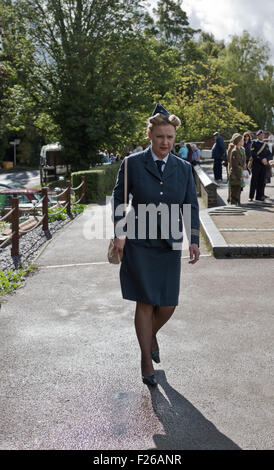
pixel 14 214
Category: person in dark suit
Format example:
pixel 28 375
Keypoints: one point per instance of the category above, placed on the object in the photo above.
pixel 260 154
pixel 161 184
pixel 218 153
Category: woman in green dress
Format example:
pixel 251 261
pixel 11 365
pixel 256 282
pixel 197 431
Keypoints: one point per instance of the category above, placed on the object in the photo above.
pixel 236 166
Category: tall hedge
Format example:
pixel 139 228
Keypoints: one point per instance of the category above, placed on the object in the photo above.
pixel 100 182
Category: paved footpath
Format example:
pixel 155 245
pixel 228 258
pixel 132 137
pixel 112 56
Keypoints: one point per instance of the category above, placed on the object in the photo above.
pixel 223 190
pixel 71 366
pixel 247 230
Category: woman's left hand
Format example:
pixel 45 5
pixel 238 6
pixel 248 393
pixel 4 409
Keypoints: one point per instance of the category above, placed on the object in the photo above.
pixel 194 253
pixel 119 244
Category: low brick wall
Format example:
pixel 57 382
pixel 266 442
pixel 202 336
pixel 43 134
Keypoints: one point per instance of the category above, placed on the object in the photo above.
pixel 206 188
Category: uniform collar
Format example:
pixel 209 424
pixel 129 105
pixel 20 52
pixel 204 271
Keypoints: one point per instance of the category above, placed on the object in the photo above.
pixel 170 167
pixel 155 158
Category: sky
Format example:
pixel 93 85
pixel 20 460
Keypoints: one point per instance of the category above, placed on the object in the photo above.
pixel 224 18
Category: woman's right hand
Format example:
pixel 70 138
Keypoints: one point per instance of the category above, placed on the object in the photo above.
pixel 119 244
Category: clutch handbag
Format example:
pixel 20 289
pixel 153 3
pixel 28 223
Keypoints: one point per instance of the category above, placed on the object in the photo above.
pixel 113 254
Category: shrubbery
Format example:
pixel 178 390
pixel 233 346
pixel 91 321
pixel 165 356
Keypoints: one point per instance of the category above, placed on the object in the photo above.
pixel 99 182
pixel 12 279
pixel 55 214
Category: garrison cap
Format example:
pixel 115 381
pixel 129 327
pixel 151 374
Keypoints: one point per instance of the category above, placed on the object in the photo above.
pixel 159 108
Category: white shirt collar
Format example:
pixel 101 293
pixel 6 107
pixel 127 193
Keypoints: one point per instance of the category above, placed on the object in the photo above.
pixel 156 158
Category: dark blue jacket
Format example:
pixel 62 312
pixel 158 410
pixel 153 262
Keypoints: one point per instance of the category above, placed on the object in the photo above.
pixel 147 186
pixel 218 151
pixel 265 153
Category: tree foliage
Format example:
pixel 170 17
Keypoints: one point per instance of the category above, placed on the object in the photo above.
pixel 245 62
pixel 172 23
pixel 87 73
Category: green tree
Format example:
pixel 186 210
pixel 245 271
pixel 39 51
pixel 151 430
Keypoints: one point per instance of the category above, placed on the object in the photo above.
pixel 71 38
pixel 22 100
pixel 205 104
pixel 135 72
pixel 245 62
pixel 172 23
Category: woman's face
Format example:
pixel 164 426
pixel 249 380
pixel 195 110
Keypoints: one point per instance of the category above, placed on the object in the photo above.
pixel 162 139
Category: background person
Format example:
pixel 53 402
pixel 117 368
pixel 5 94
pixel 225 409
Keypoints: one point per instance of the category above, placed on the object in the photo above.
pixel 150 268
pixel 189 153
pixel 183 151
pixel 218 153
pixel 260 154
pixel 236 166
pixel 196 154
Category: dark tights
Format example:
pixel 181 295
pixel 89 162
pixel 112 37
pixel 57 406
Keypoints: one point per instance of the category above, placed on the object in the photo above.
pixel 148 321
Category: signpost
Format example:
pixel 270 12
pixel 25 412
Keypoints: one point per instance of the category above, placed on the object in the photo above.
pixel 14 143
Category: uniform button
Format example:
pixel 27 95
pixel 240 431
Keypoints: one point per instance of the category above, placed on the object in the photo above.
pixel 160 203
pixel 161 194
pixel 161 182
pixel 136 216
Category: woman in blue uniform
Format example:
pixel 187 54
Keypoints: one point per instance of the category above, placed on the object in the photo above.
pixel 161 184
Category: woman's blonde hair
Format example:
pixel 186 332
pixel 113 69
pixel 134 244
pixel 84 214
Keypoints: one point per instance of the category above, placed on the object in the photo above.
pixel 161 119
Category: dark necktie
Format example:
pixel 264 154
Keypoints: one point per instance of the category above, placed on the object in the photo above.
pixel 160 164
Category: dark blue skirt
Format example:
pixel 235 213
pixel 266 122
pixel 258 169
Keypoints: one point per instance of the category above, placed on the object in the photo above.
pixel 150 274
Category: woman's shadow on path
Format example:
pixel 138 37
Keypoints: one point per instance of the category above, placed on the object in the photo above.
pixel 185 427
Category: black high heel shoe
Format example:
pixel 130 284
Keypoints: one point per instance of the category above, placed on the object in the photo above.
pixel 149 380
pixel 156 355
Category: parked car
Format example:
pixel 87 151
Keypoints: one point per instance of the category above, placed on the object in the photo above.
pixel 27 198
pixel 10 185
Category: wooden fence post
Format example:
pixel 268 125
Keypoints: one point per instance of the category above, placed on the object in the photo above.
pixel 15 227
pixel 84 197
pixel 45 208
pixel 68 197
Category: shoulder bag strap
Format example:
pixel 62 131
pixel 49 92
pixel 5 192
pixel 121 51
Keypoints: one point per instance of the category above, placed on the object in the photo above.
pixel 125 186
pixel 261 149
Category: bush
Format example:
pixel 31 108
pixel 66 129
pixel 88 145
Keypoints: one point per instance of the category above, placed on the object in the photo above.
pixel 53 214
pixel 12 279
pixel 99 182
pixel 77 208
